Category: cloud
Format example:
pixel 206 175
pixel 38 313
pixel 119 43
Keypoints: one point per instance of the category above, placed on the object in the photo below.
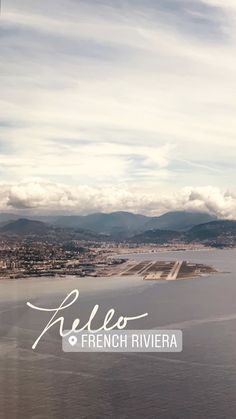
pixel 105 162
pixel 132 92
pixel 209 199
pixel 43 197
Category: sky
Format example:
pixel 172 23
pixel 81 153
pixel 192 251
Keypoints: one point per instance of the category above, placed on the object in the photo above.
pixel 110 105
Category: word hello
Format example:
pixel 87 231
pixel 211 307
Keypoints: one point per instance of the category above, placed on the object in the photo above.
pixel 57 318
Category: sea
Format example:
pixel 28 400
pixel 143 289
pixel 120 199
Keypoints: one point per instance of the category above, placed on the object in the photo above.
pixel 197 383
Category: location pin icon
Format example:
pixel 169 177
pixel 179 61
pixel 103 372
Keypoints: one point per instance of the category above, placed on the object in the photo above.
pixel 72 340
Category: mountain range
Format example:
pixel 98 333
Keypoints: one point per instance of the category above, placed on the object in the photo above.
pixel 121 226
pixel 215 233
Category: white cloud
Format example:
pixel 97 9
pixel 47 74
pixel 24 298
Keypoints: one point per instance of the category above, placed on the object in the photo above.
pixel 209 199
pixel 43 197
pixel 97 95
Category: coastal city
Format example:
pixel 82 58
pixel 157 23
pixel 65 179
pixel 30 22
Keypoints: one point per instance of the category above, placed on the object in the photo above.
pixel 33 258
pixel 104 245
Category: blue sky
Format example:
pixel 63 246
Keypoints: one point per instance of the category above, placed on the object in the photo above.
pixel 118 105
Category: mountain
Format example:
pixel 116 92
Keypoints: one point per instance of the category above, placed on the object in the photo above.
pixel 24 226
pixel 215 233
pixel 220 232
pixel 120 224
pixel 178 220
pixel 115 224
pixel 157 237
pixel 6 217
pixel 125 224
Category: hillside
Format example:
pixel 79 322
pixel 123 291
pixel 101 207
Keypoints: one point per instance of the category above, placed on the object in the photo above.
pixel 24 226
pixel 125 224
pixel 157 237
pixel 215 233
pixel 116 223
pixel 178 220
pixel 120 224
pixel 218 232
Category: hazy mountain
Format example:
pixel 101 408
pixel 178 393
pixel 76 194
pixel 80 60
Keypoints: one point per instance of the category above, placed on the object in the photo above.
pixel 178 220
pixel 6 217
pixel 157 237
pixel 114 223
pixel 24 226
pixel 120 224
pixel 124 224
pixel 224 230
pixel 215 233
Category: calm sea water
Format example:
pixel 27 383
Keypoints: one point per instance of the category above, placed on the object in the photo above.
pixel 198 383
